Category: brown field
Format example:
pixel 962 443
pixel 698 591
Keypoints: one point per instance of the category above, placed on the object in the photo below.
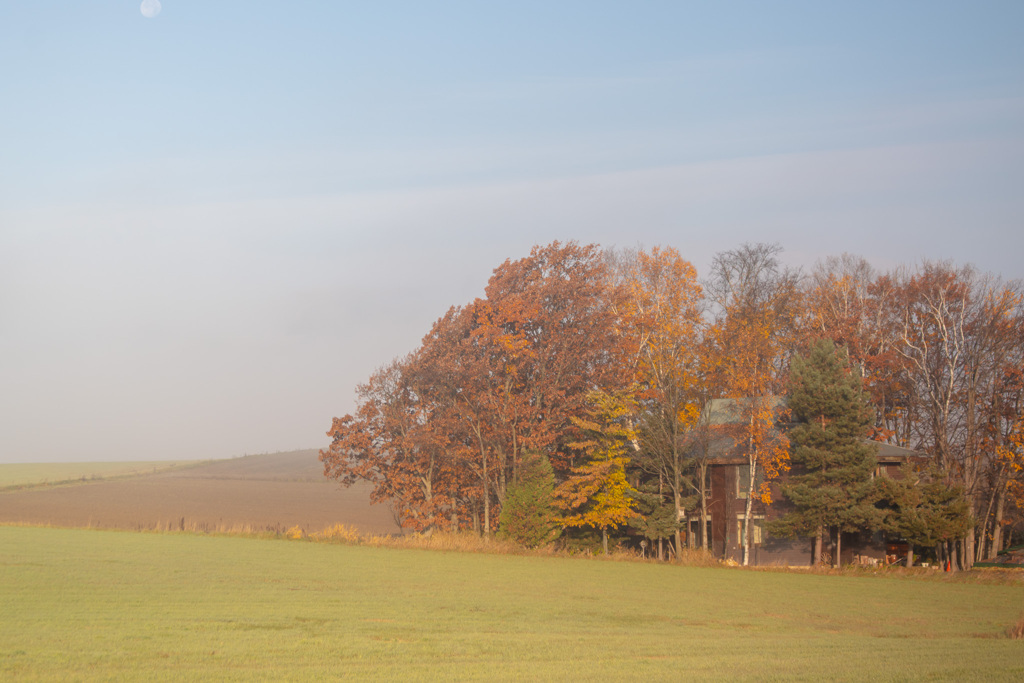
pixel 257 492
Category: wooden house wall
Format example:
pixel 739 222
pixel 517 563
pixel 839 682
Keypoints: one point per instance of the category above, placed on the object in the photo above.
pixel 726 507
pixel 719 485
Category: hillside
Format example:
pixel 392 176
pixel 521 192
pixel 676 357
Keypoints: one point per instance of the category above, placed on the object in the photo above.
pixel 27 475
pixel 257 492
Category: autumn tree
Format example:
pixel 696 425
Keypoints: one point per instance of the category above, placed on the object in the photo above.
pixel 938 344
pixel 1006 473
pixel 597 493
pixel 387 444
pixel 664 326
pixel 837 303
pixel 831 486
pixel 548 332
pixel 995 357
pixel 748 344
pixel 452 376
pixel 442 433
pixel 957 331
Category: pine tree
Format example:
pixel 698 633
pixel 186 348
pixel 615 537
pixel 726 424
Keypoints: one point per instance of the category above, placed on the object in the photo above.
pixel 655 519
pixel 831 486
pixel 528 514
pixel 924 510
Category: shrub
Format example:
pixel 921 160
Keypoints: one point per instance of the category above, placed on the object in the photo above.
pixel 528 514
pixel 339 532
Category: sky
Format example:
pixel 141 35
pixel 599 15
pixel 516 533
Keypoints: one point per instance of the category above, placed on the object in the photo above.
pixel 217 221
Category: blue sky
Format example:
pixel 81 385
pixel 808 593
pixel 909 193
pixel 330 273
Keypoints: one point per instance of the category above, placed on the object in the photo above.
pixel 215 222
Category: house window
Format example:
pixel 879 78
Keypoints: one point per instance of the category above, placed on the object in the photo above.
pixel 756 530
pixel 694 530
pixel 743 480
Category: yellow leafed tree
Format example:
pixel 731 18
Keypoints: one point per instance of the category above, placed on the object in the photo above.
pixel 597 493
pixel 664 323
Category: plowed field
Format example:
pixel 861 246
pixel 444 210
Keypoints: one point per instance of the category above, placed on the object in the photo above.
pixel 257 492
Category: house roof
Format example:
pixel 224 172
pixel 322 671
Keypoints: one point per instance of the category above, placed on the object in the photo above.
pixel 887 452
pixel 723 448
pixel 723 411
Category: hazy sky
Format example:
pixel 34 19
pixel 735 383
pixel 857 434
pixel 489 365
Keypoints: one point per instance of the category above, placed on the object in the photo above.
pixel 217 221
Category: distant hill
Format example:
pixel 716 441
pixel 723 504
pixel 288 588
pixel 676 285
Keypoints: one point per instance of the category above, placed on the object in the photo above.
pixel 64 473
pixel 290 466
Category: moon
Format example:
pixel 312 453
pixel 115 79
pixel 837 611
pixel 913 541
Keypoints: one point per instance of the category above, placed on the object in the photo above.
pixel 150 8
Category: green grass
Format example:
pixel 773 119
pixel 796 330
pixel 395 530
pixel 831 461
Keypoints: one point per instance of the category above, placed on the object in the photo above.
pixel 79 604
pixel 53 473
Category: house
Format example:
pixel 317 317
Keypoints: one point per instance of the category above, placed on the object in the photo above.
pixel 724 455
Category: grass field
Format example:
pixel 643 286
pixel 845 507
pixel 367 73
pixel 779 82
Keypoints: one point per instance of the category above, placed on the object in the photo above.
pixel 53 473
pixel 110 605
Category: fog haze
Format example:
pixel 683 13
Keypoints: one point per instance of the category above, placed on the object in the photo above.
pixel 216 222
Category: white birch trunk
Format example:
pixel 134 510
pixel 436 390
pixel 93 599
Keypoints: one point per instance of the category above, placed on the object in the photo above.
pixel 749 512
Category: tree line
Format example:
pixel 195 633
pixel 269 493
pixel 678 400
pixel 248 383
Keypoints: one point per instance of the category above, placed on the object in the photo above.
pixel 582 379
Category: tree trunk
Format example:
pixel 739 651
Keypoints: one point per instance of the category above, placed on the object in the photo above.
pixel 984 551
pixel 487 503
pixel 661 550
pixel 748 513
pixel 703 506
pixel 910 556
pixel 839 548
pixel 678 543
pixel 486 514
pixel 676 499
pixel 997 528
pixel 983 537
pixel 816 552
pixel 704 522
pixel 604 539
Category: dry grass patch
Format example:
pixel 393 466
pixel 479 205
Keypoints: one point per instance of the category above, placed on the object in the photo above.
pixel 1016 631
pixel 472 542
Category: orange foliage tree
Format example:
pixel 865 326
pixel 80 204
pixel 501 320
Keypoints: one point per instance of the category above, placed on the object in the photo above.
pixel 503 375
pixel 390 442
pixel 664 325
pixel 547 330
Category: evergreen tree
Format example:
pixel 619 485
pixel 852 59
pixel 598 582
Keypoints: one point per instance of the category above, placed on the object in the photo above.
pixel 831 486
pixel 655 519
pixel 528 515
pixel 924 510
